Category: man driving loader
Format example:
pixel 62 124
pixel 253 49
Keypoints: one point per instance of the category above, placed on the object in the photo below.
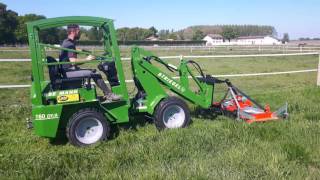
pixel 73 71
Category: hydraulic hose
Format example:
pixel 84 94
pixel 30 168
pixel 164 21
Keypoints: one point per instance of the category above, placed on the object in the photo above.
pixel 196 66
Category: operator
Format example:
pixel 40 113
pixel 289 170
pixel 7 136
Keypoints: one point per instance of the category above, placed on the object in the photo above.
pixel 73 71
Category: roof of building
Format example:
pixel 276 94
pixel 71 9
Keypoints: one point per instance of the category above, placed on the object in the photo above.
pixel 215 36
pixel 152 38
pixel 251 37
pixel 255 37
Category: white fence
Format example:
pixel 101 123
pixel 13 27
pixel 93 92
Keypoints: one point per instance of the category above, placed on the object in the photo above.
pixel 198 57
pixel 318 78
pixel 221 48
pixel 215 75
pixel 207 56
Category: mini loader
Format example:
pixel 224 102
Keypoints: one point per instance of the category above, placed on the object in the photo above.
pixel 71 106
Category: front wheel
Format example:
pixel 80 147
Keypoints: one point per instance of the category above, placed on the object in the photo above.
pixel 170 113
pixel 87 127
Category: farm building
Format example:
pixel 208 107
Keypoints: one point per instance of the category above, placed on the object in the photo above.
pixel 257 40
pixel 213 39
pixel 216 39
pixel 152 38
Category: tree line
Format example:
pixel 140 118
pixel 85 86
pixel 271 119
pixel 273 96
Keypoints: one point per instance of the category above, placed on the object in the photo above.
pixel 13 28
pixel 227 31
pixel 13 31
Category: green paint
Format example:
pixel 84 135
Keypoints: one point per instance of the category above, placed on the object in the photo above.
pixel 48 116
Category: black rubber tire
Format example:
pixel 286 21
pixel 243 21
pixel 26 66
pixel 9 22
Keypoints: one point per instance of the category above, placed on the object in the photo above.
pixel 81 116
pixel 166 103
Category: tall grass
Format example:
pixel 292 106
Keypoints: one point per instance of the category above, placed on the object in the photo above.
pixel 217 148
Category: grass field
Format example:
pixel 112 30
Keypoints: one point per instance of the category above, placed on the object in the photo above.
pixel 219 148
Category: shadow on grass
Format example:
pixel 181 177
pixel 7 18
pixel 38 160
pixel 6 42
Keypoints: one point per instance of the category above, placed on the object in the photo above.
pixel 135 122
pixel 60 140
pixel 205 114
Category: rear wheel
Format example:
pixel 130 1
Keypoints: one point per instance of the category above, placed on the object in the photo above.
pixel 170 113
pixel 87 127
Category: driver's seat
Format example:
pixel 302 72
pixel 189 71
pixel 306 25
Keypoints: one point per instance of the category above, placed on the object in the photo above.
pixel 57 80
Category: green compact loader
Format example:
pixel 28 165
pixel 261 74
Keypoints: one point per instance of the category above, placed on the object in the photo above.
pixel 72 106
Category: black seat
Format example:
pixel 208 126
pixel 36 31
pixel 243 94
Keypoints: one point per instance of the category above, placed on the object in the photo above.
pixel 58 81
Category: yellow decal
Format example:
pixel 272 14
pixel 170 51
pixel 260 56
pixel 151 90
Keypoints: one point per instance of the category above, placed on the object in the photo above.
pixel 68 98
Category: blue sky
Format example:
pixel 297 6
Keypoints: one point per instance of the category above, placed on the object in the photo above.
pixel 300 18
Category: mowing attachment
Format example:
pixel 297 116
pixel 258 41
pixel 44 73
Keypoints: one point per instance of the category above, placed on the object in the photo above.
pixel 237 104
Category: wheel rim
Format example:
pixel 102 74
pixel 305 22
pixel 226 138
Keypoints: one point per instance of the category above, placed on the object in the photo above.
pixel 89 130
pixel 174 116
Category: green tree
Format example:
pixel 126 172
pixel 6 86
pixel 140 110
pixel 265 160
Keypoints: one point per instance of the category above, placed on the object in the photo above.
pixel 62 33
pixel 84 37
pixel 21 31
pixel 285 38
pixel 180 35
pixel 173 36
pixel 198 35
pixel 163 34
pixel 241 30
pixel 123 34
pixel 153 30
pixel 133 34
pixel 8 25
pixel 229 33
pixel 93 33
pixel 147 33
pixel 50 36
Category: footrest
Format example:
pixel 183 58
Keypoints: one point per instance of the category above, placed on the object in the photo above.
pixel 102 101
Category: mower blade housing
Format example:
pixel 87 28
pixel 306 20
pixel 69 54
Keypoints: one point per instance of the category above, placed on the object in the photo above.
pixel 264 115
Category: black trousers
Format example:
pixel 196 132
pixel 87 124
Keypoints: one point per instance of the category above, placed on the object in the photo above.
pixel 78 73
pixel 109 69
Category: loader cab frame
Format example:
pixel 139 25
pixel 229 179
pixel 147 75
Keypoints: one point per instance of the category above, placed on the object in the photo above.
pixel 52 107
pixel 39 58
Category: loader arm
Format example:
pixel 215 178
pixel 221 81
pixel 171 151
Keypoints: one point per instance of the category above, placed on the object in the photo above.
pixel 156 84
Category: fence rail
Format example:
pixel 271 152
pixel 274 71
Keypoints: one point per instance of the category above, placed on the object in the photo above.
pixel 221 75
pixel 243 47
pixel 206 56
pixel 197 56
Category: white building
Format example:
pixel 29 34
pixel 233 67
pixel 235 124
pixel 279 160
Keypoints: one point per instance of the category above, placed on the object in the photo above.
pixel 152 38
pixel 216 39
pixel 213 39
pixel 257 40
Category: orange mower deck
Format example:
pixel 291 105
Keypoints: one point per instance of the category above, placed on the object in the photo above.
pixel 241 106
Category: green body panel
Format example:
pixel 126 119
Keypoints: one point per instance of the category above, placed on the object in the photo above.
pixel 116 111
pixel 150 84
pixel 46 119
pixel 88 94
pixel 154 80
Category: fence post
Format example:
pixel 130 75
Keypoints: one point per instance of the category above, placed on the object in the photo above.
pixel 318 78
